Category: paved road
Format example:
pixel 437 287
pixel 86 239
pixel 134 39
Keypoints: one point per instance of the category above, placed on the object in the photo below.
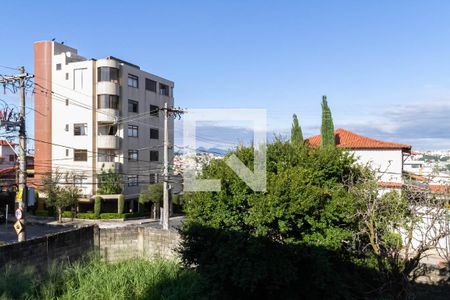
pixel 8 234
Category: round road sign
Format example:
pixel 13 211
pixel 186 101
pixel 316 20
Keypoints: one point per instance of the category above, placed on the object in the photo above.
pixel 18 214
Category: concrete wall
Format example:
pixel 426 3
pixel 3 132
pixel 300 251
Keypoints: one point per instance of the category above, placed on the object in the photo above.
pixel 39 252
pixel 129 242
pixel 112 243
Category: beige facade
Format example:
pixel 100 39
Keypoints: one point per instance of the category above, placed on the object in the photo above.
pixel 102 114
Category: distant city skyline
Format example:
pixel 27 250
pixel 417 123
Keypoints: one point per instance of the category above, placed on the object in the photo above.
pixel 385 65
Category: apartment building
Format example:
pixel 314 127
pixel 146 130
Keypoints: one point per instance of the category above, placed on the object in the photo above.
pixel 98 113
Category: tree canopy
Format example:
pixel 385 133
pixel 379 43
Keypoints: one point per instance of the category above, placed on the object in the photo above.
pixel 296 131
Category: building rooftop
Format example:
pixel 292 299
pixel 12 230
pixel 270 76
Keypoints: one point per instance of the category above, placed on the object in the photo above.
pixel 350 140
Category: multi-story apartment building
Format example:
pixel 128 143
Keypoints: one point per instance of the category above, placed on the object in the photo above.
pixel 98 113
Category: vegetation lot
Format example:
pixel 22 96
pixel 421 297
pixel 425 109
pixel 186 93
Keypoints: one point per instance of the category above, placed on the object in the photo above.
pixel 91 278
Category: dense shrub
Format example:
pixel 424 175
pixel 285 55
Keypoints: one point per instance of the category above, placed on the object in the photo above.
pixel 120 204
pixel 43 213
pixel 97 206
pixel 290 240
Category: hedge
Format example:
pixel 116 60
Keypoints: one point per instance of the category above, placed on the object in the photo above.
pixel 105 216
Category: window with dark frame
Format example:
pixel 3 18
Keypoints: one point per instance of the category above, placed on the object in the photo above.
pixel 154 133
pixel 12 157
pixel 150 85
pixel 153 178
pixel 133 155
pixel 67 152
pixel 58 67
pixel 108 101
pixel 154 110
pixel 163 89
pixel 154 155
pixel 108 74
pixel 133 131
pixel 80 155
pixel 133 106
pixel 80 129
pixel 132 180
pixel 133 81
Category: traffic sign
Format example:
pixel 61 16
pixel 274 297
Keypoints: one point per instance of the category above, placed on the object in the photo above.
pixel 19 213
pixel 18 226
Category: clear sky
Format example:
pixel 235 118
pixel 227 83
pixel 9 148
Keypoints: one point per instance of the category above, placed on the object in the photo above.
pixel 384 65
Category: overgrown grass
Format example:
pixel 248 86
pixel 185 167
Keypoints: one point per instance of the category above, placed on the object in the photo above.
pixel 91 278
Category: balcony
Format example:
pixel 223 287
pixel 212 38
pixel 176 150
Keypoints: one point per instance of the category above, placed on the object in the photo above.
pixel 109 115
pixel 108 142
pixel 114 166
pixel 108 87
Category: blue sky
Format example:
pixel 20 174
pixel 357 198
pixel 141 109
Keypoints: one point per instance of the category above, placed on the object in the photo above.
pixel 384 65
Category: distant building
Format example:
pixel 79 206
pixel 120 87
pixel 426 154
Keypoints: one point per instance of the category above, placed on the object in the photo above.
pixel 8 156
pixel 384 158
pixel 98 113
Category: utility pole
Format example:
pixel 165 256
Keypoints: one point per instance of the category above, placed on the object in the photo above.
pixel 168 112
pixel 22 152
pixel 22 191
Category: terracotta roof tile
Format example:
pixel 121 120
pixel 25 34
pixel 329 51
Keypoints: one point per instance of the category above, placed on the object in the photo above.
pixel 4 143
pixel 390 184
pixel 350 140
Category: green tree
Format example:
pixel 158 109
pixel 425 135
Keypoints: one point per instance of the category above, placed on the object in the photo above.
pixel 109 182
pixel 61 191
pixel 327 129
pixel 260 235
pixel 296 132
pixel 154 194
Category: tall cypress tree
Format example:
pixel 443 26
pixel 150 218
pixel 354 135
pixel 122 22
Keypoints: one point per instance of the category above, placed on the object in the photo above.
pixel 327 129
pixel 296 131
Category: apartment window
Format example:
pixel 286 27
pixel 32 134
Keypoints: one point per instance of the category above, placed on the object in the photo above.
pixel 107 129
pixel 80 155
pixel 66 128
pixel 105 155
pixel 67 152
pixel 80 129
pixel 133 130
pixel 58 67
pixel 108 74
pixel 67 76
pixel 108 101
pixel 133 81
pixel 154 110
pixel 79 76
pixel 133 155
pixel 150 85
pixel 154 133
pixel 163 89
pixel 133 106
pixel 67 102
pixel 154 155
pixel 132 180
pixel 12 157
pixel 153 178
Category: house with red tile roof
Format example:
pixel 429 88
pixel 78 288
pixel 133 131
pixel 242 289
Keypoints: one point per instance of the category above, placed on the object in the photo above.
pixel 384 158
pixel 8 157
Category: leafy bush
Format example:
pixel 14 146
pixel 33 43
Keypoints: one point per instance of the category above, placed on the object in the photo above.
pixel 120 204
pixel 104 216
pixel 42 213
pixel 289 238
pixel 97 206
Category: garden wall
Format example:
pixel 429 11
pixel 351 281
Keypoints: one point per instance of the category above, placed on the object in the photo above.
pixel 112 243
